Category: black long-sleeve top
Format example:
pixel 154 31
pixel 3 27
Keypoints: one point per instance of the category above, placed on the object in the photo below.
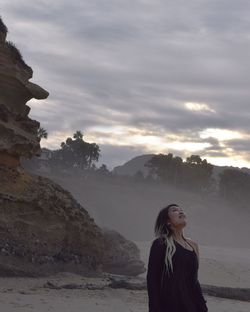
pixel 180 291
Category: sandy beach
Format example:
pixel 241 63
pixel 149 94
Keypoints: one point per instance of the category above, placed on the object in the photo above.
pixel 28 294
pixel 219 266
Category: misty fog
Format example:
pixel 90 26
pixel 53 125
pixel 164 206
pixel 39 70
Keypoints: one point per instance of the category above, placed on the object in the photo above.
pixel 131 208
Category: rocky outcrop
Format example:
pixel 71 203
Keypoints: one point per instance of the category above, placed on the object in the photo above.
pixel 18 133
pixel 121 255
pixel 43 228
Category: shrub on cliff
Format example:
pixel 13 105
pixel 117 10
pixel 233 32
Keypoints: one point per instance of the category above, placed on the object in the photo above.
pixel 16 54
pixel 3 28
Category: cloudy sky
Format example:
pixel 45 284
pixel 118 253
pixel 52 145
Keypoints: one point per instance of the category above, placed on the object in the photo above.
pixel 140 76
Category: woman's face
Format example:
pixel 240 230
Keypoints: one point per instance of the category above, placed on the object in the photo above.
pixel 177 217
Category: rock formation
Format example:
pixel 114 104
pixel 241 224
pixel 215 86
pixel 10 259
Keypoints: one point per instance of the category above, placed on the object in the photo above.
pixel 18 133
pixel 121 255
pixel 43 228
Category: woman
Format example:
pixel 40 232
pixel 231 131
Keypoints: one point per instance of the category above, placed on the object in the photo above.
pixel 172 275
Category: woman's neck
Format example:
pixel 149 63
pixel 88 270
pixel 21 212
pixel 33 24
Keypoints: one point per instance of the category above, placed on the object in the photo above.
pixel 178 235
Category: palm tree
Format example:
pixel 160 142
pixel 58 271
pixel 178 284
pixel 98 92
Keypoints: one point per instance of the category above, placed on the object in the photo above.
pixel 78 135
pixel 42 133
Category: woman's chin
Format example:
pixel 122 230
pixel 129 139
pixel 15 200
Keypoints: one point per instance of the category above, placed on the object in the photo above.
pixel 184 223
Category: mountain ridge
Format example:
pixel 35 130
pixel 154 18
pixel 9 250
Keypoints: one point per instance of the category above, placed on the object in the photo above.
pixel 135 164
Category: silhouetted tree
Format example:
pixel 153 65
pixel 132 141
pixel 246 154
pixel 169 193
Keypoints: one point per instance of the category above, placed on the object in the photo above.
pixel 194 159
pixel 42 133
pixel 234 185
pixel 194 174
pixel 166 168
pixel 103 170
pixel 197 174
pixel 76 153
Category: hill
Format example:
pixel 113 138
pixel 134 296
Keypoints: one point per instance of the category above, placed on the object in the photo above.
pixel 131 167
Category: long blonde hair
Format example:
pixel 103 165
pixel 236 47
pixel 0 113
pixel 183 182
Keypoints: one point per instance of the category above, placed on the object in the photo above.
pixel 163 230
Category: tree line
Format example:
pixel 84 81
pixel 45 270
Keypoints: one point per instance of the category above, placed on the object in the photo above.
pixel 193 174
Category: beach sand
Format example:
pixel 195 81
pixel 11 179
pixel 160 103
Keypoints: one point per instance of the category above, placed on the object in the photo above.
pixel 218 266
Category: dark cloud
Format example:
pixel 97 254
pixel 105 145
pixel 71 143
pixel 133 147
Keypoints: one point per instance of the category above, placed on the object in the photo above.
pixel 239 145
pixel 135 64
pixel 215 154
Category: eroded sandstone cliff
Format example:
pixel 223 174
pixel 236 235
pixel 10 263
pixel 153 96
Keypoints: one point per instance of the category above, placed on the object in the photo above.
pixel 18 133
pixel 43 228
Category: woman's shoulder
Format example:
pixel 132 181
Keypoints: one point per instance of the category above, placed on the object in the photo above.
pixel 159 239
pixel 158 242
pixel 193 243
pixel 157 247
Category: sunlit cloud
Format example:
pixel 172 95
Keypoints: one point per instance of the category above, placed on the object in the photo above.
pixel 221 134
pixel 150 141
pixel 104 78
pixel 122 136
pixel 54 141
pixel 199 107
pixel 188 146
pixel 153 142
pixel 233 160
pixel 128 136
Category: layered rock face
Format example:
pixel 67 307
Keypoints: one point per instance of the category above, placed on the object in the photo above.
pixel 43 229
pixel 121 255
pixel 18 133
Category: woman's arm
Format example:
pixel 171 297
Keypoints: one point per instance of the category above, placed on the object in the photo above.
pixel 154 273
